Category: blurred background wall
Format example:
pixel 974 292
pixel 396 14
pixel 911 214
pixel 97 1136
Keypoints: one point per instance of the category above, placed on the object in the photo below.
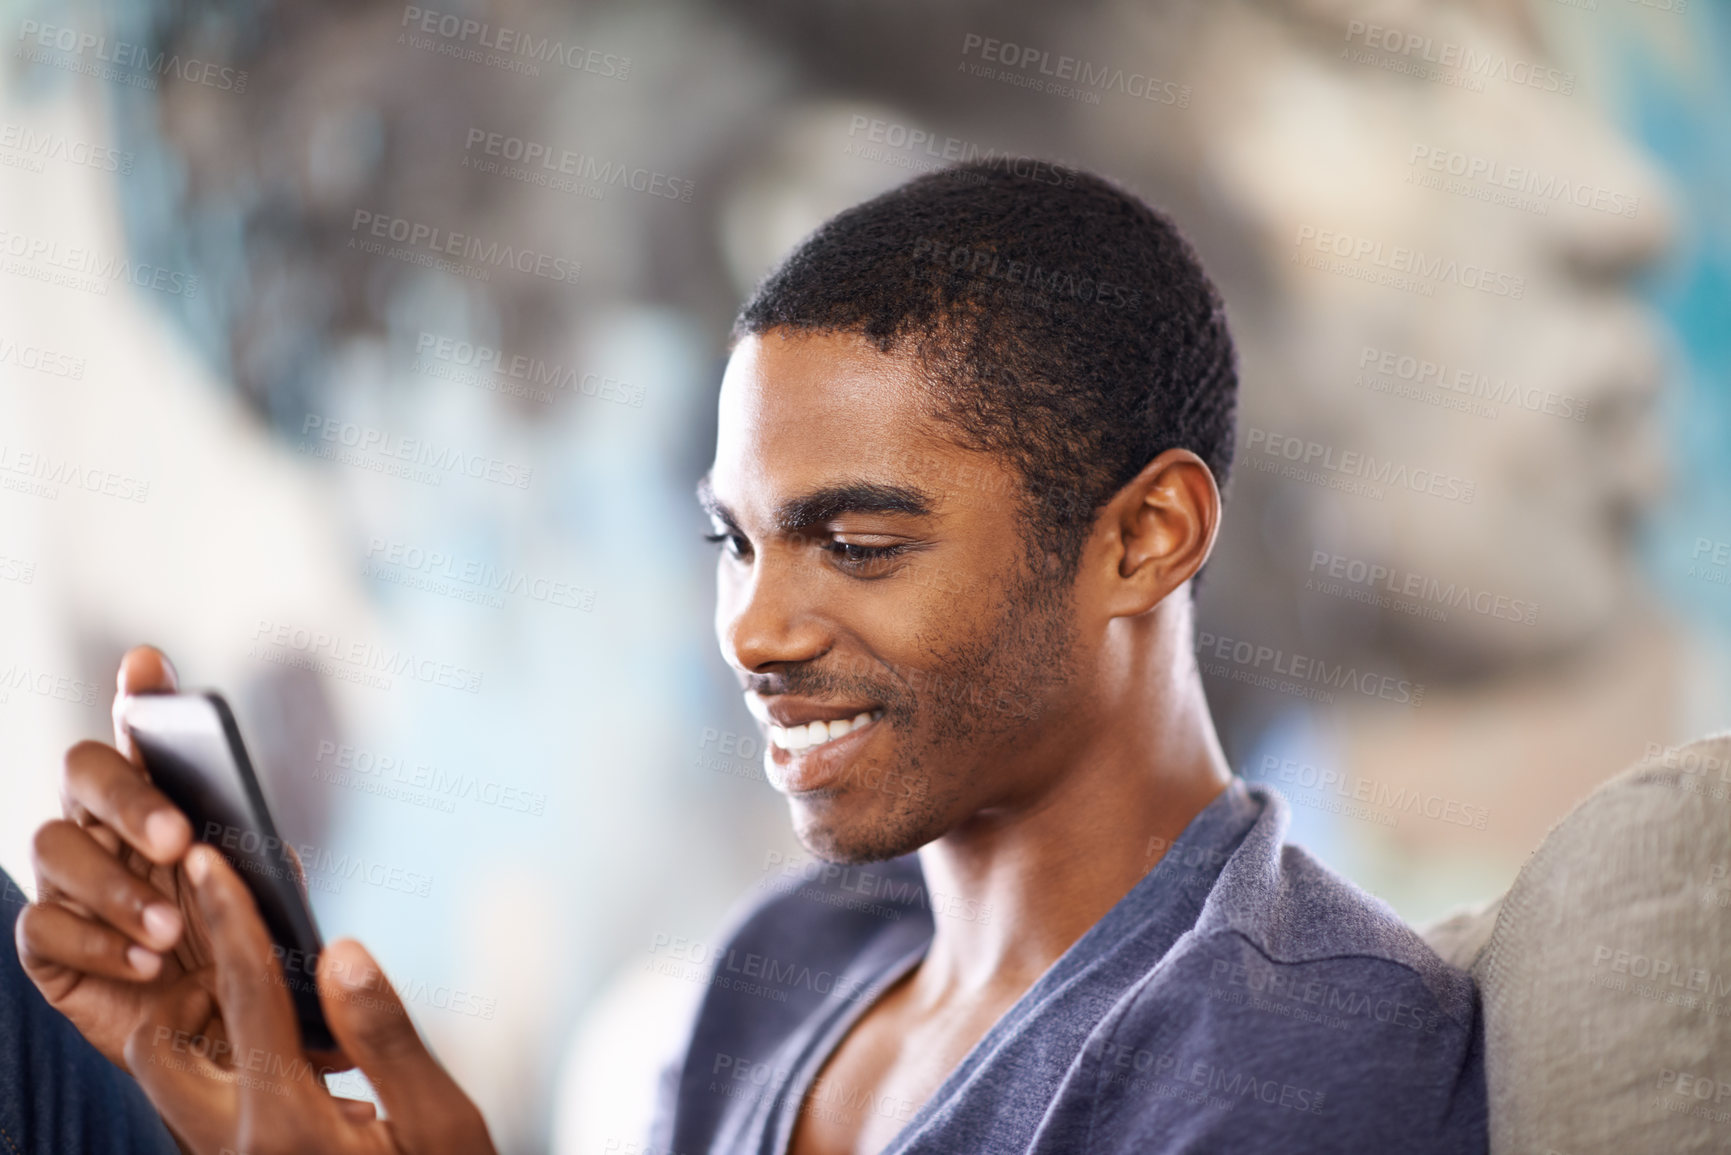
pixel 362 355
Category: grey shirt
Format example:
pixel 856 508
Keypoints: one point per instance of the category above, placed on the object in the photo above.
pixel 1240 998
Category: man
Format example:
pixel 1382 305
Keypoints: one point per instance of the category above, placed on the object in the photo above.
pixel 967 466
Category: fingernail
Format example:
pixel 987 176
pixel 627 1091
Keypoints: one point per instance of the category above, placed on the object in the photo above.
pixel 350 972
pixel 163 830
pixel 351 977
pixel 162 923
pixel 198 864
pixel 143 961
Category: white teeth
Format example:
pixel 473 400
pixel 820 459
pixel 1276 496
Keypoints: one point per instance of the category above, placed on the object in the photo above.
pixel 797 738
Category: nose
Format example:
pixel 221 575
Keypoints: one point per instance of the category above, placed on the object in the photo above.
pixel 1638 226
pixel 765 617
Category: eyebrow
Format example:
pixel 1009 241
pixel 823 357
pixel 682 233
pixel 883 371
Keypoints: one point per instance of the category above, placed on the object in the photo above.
pixel 828 503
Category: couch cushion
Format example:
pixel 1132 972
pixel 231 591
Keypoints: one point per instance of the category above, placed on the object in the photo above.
pixel 1606 970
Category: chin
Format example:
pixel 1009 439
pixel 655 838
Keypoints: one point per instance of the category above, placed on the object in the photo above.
pixel 838 828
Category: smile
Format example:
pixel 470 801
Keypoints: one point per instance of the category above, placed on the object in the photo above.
pixel 814 734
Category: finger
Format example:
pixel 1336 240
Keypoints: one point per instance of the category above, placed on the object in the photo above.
pixel 72 866
pixel 357 1110
pixel 425 1105
pixel 144 670
pixel 256 1010
pixel 49 935
pixel 175 1053
pixel 98 785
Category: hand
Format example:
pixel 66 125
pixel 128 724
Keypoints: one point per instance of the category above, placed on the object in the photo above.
pixel 253 1091
pixel 111 926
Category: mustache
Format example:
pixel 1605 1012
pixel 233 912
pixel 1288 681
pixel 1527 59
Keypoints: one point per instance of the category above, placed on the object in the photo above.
pixel 817 681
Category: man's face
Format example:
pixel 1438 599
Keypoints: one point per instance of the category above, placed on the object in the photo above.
pixel 875 575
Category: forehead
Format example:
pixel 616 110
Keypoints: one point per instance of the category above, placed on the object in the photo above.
pixel 799 412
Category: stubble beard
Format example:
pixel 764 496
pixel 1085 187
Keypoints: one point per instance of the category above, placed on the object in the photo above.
pixel 984 694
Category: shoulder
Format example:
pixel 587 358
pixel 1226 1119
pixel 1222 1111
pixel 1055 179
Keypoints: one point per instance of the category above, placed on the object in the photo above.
pixel 1275 907
pixel 1297 1009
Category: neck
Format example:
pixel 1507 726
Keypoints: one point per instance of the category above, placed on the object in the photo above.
pixel 1120 777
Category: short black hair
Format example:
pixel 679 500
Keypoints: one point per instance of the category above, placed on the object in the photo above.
pixel 1061 322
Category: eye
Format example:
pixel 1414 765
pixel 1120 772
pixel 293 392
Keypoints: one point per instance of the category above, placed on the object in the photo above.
pixel 864 560
pixel 732 544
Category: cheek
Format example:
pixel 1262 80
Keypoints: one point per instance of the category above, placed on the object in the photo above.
pixel 908 628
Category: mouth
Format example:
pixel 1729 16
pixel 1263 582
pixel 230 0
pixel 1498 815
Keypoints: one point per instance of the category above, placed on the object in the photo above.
pixel 811 743
pixel 820 733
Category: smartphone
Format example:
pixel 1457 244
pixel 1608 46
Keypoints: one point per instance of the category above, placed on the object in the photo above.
pixel 193 752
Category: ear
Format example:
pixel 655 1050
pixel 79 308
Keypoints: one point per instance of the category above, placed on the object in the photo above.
pixel 1157 531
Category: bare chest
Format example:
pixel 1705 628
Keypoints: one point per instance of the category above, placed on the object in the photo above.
pixel 884 1071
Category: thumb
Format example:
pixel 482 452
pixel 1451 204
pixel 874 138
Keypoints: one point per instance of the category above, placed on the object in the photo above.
pixel 426 1108
pixel 144 670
